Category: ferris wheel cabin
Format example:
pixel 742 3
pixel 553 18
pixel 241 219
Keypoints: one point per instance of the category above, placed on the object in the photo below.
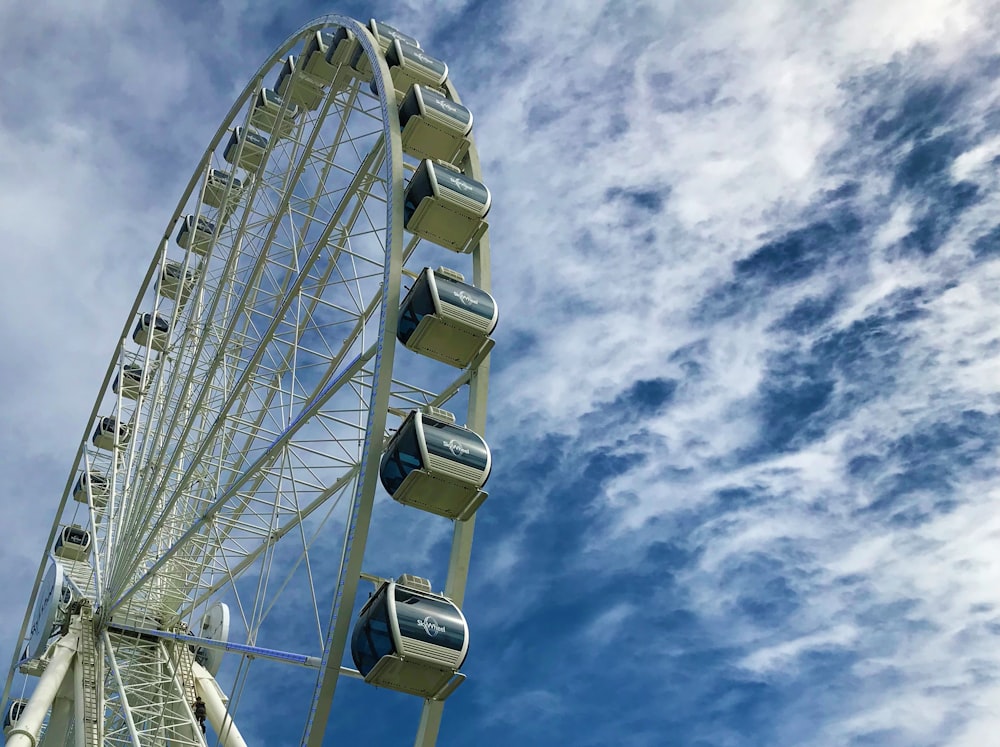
pixel 384 35
pixel 446 319
pixel 13 712
pixel 409 65
pixel 94 484
pixel 152 331
pixel 436 466
pixel 271 115
pixel 434 126
pixel 202 234
pixel 246 149
pixel 110 433
pixel 216 184
pixel 130 382
pixel 409 639
pixel 326 52
pixel 445 206
pixel 298 86
pixel 175 282
pixel 72 543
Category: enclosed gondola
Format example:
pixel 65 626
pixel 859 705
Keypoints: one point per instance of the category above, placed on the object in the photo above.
pixel 13 712
pixel 436 466
pixel 72 543
pixel 175 282
pixel 271 115
pixel 446 319
pixel 130 381
pixel 246 149
pixel 445 206
pixel 196 236
pixel 409 65
pixel 298 86
pixel 152 330
pixel 328 53
pixel 110 432
pixel 96 485
pixel 216 185
pixel 409 639
pixel 434 126
pixel 384 35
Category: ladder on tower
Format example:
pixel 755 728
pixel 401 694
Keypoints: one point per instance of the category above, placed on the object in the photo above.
pixel 87 661
pixel 185 658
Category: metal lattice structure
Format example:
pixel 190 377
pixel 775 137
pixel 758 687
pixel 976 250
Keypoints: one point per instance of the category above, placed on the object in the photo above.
pixel 244 413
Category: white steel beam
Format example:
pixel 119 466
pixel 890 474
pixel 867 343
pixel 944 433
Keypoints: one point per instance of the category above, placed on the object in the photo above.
pixel 25 732
pixel 216 708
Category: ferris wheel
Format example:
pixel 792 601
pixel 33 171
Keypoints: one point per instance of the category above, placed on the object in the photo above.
pixel 294 352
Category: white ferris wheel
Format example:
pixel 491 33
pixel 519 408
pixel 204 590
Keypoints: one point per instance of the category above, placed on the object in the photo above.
pixel 293 350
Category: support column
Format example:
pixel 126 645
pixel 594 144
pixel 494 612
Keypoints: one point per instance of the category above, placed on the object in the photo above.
pixel 25 731
pixel 215 706
pixel 61 715
pixel 79 713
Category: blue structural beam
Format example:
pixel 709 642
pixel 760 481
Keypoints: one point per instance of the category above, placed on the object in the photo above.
pixel 288 657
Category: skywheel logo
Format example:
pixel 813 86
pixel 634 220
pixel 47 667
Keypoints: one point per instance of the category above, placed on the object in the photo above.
pixel 430 626
pixel 456 447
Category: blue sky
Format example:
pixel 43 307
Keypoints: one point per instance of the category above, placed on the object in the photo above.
pixel 744 406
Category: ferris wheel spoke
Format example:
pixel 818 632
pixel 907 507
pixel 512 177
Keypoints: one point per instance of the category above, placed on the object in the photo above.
pixel 200 452
pixel 221 341
pixel 261 462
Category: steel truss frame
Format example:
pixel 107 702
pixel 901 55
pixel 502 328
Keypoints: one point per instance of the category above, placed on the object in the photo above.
pixel 263 420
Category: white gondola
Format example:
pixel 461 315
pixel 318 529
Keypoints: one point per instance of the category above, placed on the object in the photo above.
pixel 445 206
pixel 409 65
pixel 251 156
pixel 108 430
pixel 298 86
pixel 446 319
pixel 13 712
pixel 131 382
pixel 197 238
pixel 73 543
pixel 384 35
pixel 409 639
pixel 434 126
pixel 152 331
pixel 175 282
pixel 271 115
pixel 327 55
pixel 97 485
pixel 216 184
pixel 436 466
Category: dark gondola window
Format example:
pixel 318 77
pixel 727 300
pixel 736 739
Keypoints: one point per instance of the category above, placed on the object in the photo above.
pixel 454 443
pixel 419 305
pixel 401 460
pixel 458 182
pixel 385 31
pixel 465 296
pixel 372 636
pixel 159 323
pixel 432 620
pixel 418 188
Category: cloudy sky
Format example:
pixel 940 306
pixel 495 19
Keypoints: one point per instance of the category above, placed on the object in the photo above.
pixel 744 405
